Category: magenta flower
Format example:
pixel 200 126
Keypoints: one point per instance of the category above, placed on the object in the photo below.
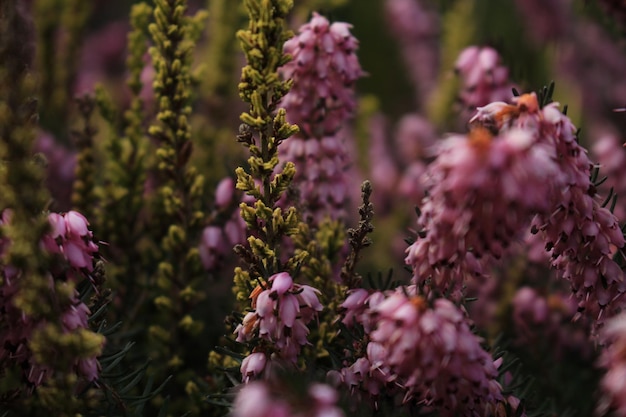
pixel 71 237
pixel 253 365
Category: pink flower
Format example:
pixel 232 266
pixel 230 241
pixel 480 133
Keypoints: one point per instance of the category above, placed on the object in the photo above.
pixel 224 193
pixel 281 282
pixel 253 365
pixel 76 223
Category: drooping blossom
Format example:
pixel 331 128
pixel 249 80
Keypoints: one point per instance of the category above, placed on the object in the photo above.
pixel 423 352
pixel 580 235
pixel 432 354
pixel 482 193
pixel 324 69
pixel 280 315
pixel 270 399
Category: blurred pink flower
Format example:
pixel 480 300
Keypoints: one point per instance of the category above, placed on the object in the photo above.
pixel 275 399
pixel 483 79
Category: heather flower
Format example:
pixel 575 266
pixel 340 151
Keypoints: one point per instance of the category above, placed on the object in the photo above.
pixel 482 192
pixel 435 356
pixel 324 69
pixel 581 235
pixel 253 365
pixel 484 80
pixel 281 314
pixel 224 193
pixel 354 305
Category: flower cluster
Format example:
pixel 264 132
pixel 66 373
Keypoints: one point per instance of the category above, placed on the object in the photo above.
pixel 483 190
pixel 324 69
pixel 280 316
pixel 580 234
pixel 429 352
